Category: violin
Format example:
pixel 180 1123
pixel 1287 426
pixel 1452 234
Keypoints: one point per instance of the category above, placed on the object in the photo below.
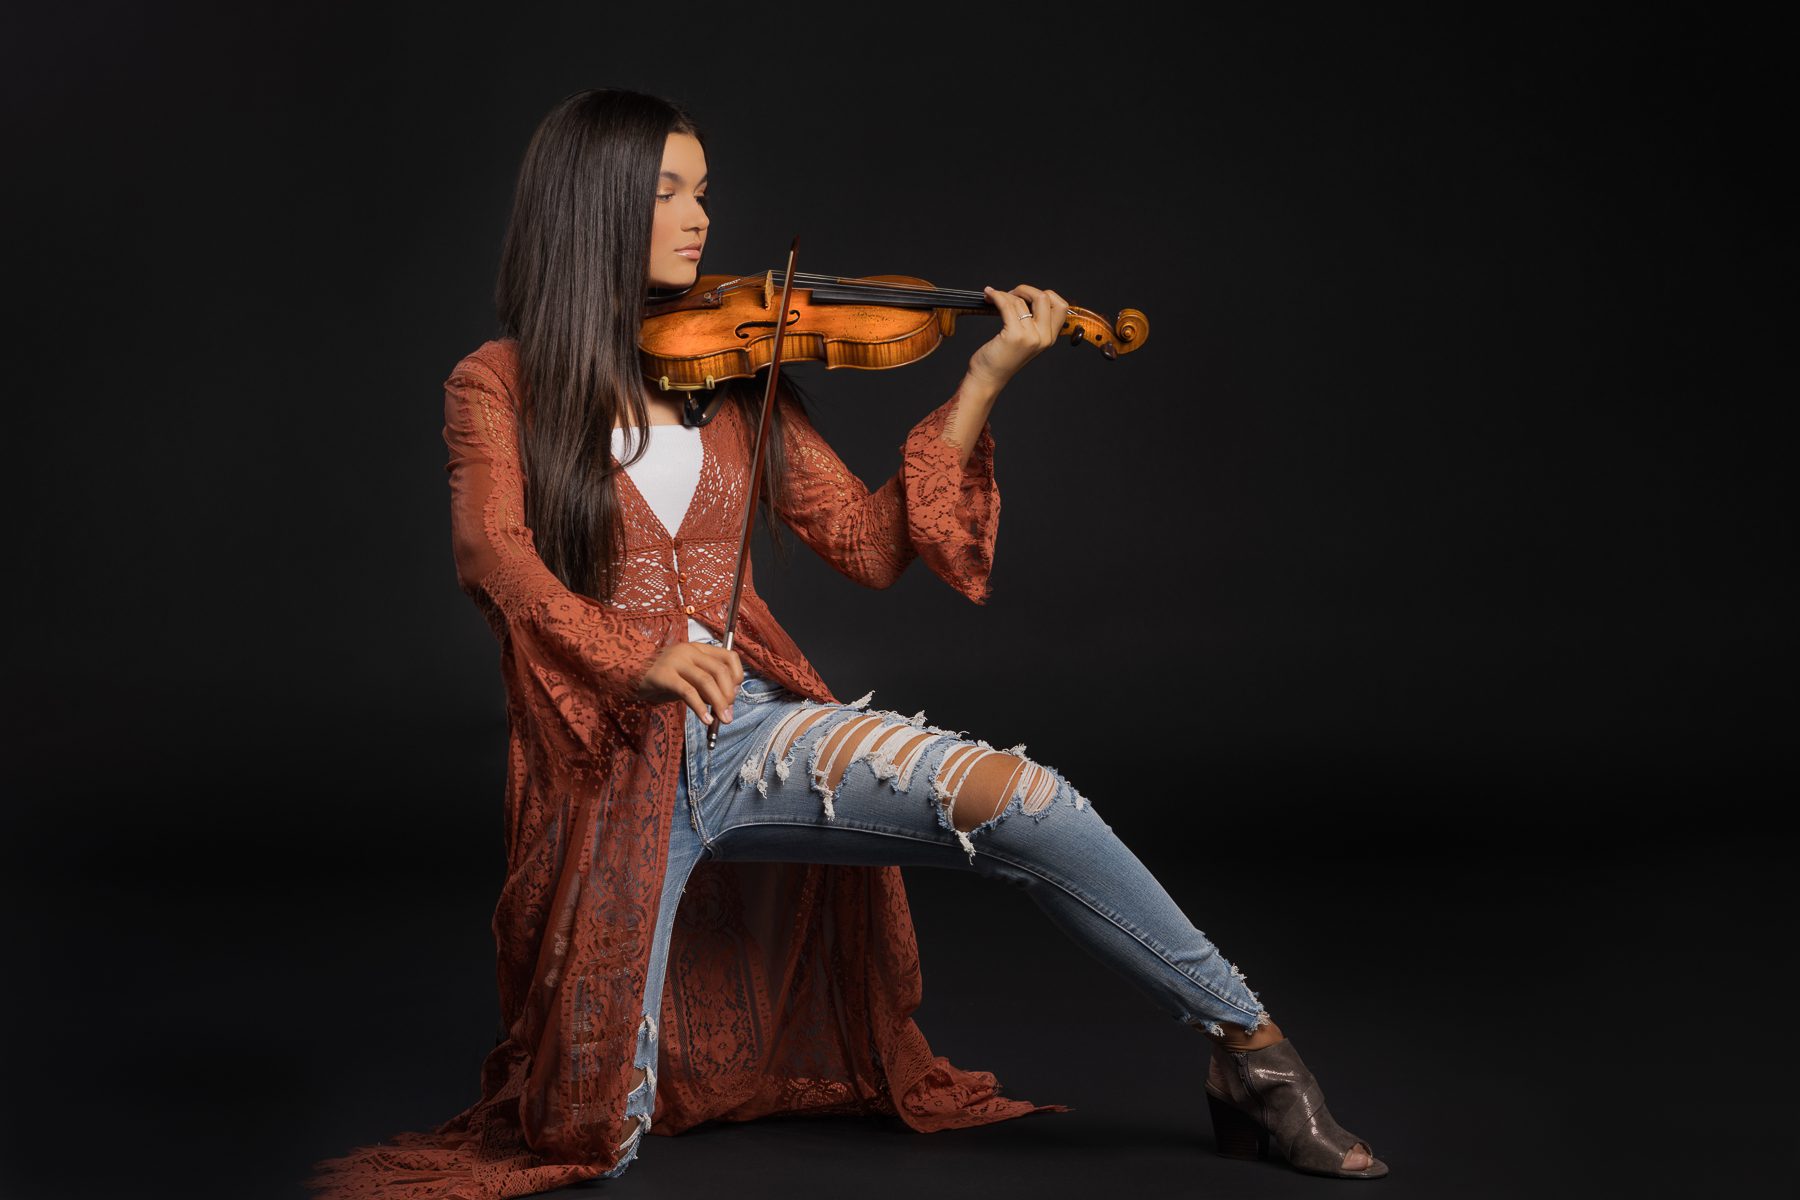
pixel 725 327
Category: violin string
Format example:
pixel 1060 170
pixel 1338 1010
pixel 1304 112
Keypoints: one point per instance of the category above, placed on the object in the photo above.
pixel 891 288
pixel 815 277
pixel 914 297
pixel 878 290
pixel 874 290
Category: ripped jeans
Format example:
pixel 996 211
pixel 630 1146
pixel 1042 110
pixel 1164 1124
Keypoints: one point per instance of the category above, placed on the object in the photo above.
pixel 764 794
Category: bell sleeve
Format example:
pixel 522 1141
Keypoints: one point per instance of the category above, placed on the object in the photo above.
pixel 931 508
pixel 562 637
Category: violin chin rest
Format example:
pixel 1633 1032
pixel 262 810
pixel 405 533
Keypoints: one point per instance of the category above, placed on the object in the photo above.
pixel 699 408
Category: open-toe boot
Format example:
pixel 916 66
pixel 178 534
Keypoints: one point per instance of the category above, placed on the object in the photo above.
pixel 1271 1097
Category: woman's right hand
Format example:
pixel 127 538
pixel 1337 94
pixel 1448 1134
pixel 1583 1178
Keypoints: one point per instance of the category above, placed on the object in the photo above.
pixel 698 675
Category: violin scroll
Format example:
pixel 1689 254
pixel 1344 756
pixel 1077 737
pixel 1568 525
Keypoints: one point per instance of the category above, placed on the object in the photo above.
pixel 1127 332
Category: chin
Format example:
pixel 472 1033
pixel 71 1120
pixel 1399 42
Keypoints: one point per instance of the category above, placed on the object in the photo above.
pixel 685 281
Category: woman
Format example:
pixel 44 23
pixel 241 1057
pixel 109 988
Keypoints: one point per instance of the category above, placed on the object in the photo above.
pixel 689 934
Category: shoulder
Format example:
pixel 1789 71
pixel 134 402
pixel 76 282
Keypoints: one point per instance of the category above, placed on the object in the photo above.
pixel 494 365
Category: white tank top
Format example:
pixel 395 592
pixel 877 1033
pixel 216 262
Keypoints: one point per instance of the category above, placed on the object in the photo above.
pixel 666 477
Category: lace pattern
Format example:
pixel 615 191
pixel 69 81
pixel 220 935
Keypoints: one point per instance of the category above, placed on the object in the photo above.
pixel 930 508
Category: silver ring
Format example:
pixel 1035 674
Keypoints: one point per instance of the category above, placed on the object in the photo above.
pixel 1026 317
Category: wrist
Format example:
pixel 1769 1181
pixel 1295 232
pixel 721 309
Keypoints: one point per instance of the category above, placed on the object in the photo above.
pixel 979 385
pixel 968 414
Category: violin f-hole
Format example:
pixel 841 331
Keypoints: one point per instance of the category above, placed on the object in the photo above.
pixel 743 328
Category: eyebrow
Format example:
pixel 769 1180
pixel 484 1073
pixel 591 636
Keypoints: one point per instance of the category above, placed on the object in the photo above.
pixel 678 179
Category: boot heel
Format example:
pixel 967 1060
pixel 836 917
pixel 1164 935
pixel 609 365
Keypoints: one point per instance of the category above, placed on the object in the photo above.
pixel 1237 1133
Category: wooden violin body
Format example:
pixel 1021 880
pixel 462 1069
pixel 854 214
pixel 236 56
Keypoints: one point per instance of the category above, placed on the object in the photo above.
pixel 724 326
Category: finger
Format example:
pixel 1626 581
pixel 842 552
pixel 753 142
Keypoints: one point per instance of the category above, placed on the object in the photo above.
pixel 728 686
pixel 1039 309
pixel 1048 310
pixel 1033 297
pixel 725 664
pixel 693 700
pixel 733 663
pixel 709 676
pixel 1010 306
pixel 1020 321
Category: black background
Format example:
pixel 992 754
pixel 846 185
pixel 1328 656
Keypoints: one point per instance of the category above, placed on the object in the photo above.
pixel 1416 603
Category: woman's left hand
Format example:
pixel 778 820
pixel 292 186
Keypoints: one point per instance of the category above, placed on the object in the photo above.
pixel 1031 318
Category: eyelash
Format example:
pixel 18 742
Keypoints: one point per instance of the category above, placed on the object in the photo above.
pixel 671 196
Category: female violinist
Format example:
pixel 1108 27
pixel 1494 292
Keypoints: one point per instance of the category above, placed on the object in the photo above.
pixel 690 933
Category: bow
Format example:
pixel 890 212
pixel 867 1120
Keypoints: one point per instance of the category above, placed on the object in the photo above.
pixel 756 463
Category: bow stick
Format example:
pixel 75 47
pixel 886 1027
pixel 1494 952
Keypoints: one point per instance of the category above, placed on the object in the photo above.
pixel 756 462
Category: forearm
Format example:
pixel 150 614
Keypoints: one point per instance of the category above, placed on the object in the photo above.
pixel 975 400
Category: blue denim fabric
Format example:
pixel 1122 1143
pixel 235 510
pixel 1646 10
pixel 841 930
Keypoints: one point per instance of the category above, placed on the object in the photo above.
pixel 739 802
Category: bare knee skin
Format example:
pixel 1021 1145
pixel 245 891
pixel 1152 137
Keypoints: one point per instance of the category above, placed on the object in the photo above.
pixel 977 784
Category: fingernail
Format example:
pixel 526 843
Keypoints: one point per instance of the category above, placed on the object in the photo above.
pixel 728 712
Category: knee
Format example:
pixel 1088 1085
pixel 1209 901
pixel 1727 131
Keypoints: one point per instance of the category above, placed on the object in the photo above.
pixel 977 784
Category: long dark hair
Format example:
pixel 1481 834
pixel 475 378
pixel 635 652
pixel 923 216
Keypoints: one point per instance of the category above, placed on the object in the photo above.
pixel 573 282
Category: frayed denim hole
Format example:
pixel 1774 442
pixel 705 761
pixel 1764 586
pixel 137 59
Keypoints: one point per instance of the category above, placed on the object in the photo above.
pixel 896 733
pixel 944 791
pixel 872 743
pixel 776 748
pixel 818 735
pixel 641 1102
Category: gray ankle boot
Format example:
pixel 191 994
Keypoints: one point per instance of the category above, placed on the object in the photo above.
pixel 1272 1097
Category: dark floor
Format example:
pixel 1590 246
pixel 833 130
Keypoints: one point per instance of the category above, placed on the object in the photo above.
pixel 1535 1008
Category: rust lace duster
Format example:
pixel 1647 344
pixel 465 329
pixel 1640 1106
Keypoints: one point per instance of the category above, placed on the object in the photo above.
pixel 790 986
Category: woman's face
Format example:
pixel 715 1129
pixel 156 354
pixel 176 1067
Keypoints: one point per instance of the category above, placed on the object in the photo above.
pixel 680 225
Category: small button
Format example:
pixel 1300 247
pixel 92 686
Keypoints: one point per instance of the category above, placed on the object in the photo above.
pixel 682 576
pixel 689 610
